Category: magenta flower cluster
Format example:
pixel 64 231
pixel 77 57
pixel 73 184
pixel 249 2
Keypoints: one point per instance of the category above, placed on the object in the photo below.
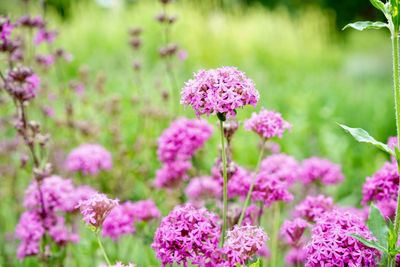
pixel 312 207
pixel 270 189
pixel 332 244
pixel 292 231
pixel 267 124
pixel 89 159
pixel 201 189
pixel 221 90
pixel 5 29
pixel 22 83
pixel 187 236
pixel 320 170
pixel 243 243
pixel 284 167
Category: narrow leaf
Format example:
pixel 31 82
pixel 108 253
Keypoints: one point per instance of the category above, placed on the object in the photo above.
pixel 369 243
pixel 363 136
pixel 366 25
pixel 378 4
pixel 377 225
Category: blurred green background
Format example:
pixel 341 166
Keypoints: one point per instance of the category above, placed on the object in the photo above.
pixel 302 63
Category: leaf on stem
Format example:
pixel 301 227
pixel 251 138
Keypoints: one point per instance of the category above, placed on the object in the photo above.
pixel 377 225
pixel 369 243
pixel 363 136
pixel 378 5
pixel 366 25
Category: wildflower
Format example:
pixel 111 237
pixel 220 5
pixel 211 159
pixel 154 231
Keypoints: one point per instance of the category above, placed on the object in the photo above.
pixel 144 210
pixel 5 29
pixel 119 222
pixel 292 231
pixel 284 167
pixel 267 124
pixel 182 55
pixel 312 207
pixel 320 170
pixel 296 256
pixel 332 244
pixel 96 209
pixel 243 242
pixel 182 139
pixel 172 174
pixel 187 236
pixel 269 189
pixel 30 231
pixel 89 159
pixel 45 60
pixel 221 90
pixel 44 35
pixel 202 188
pixel 22 83
pixel 31 22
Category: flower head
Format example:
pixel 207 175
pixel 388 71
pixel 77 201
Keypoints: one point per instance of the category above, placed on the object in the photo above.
pixel 172 174
pixel 320 170
pixel 269 189
pixel 22 83
pixel 144 210
pixel 284 167
pixel 267 124
pixel 312 207
pixel 202 188
pixel 96 209
pixel 5 29
pixel 221 90
pixel 44 35
pixel 31 22
pixel 296 257
pixel 89 159
pixel 243 242
pixel 293 230
pixel 119 222
pixel 30 231
pixel 332 244
pixel 187 235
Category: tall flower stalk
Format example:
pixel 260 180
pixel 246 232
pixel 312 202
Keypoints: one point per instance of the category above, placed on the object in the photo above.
pixel 225 176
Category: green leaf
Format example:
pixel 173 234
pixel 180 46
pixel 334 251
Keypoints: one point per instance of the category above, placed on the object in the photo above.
pixel 366 25
pixel 377 225
pixel 363 136
pixel 255 264
pixel 369 243
pixel 378 5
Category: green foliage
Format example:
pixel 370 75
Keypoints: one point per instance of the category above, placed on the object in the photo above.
pixel 366 25
pixel 377 225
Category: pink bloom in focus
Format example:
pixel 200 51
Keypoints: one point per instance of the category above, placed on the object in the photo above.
pixel 44 36
pixel 187 236
pixel 221 90
pixel 284 167
pixel 293 230
pixel 332 244
pixel 267 124
pixel 313 207
pixel 201 189
pixel 320 170
pixel 96 209
pixel 89 159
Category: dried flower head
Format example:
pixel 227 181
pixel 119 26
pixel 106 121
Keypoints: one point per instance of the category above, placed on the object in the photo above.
pixel 267 124
pixel 221 90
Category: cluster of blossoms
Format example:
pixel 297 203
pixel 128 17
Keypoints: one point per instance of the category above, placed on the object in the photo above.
pixel 22 83
pixel 58 195
pixel 221 90
pixel 176 146
pixel 381 188
pixel 122 218
pixel 282 166
pixel 250 217
pixel 332 244
pixel 267 124
pixel 201 189
pixel 321 171
pixel 89 159
pixel 293 230
pixel 187 236
pixel 243 243
pixel 312 207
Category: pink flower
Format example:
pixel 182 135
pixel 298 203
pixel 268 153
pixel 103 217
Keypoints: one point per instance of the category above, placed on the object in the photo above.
pixel 172 174
pixel 45 60
pixel 201 189
pixel 5 29
pixel 119 222
pixel 332 244
pixel 284 167
pixel 267 124
pixel 22 83
pixel 243 243
pixel 292 231
pixel 31 22
pixel 269 189
pixel 89 159
pixel 313 207
pixel 182 55
pixel 182 139
pixel 187 235
pixel 30 231
pixel 320 170
pixel 96 209
pixel 44 35
pixel 221 90
pixel 144 210
pixel 296 257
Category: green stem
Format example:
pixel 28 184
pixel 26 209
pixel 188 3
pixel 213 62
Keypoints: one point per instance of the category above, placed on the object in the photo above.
pixel 225 192
pixel 395 46
pixel 247 201
pixel 102 248
pixel 274 238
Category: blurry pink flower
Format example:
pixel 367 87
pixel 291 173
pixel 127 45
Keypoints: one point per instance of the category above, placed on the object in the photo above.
pixel 267 124
pixel 44 36
pixel 284 167
pixel 89 159
pixel 293 230
pixel 172 174
pixel 320 170
pixel 312 207
pixel 201 189
pixel 182 55
pixel 5 29
pixel 22 83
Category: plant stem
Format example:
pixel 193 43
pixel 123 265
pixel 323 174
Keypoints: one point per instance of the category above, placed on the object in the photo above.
pixel 274 238
pixel 102 248
pixel 225 192
pixel 247 201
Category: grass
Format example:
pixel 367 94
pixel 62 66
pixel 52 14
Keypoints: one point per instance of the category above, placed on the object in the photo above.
pixel 303 68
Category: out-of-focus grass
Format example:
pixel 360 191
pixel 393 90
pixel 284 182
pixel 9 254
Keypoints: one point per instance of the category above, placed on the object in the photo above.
pixel 302 67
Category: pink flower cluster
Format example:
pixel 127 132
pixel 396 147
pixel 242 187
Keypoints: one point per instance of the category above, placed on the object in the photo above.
pixel 176 147
pixel 270 189
pixel 187 236
pixel 313 207
pixel 22 83
pixel 293 230
pixel 284 167
pixel 243 243
pixel 332 244
pixel 267 124
pixel 296 256
pixel 201 189
pixel 44 35
pixel 382 188
pixel 321 170
pixel 89 159
pixel 221 90
pixel 96 208
pixel 5 29
pixel 122 218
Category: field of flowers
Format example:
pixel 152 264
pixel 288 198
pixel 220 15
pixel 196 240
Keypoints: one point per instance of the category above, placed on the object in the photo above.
pixel 175 133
